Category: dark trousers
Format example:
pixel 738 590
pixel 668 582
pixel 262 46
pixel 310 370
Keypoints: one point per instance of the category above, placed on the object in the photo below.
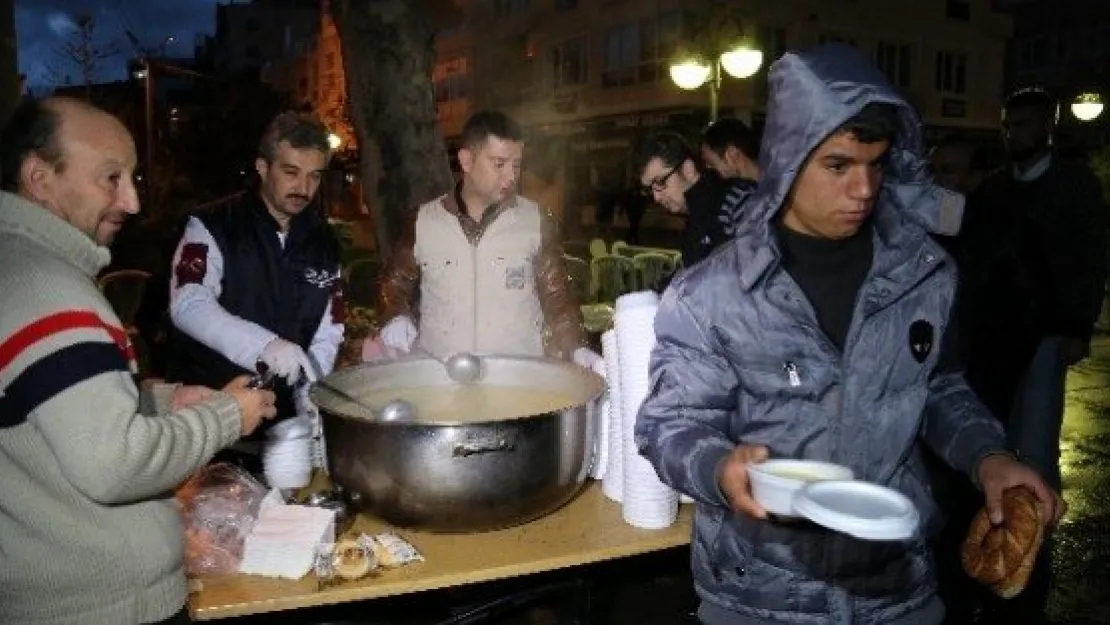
pixel 181 618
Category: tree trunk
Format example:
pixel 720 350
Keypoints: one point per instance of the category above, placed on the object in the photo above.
pixel 388 49
pixel 10 83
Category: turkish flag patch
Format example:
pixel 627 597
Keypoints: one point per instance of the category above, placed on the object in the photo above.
pixel 338 305
pixel 193 265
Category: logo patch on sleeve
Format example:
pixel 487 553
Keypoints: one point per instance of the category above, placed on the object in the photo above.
pixel 193 265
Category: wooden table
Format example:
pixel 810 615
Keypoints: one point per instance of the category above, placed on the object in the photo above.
pixel 588 529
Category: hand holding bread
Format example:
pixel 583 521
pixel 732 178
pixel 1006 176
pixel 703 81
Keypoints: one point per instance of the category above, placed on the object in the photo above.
pixel 1002 556
pixel 999 473
pixel 1005 537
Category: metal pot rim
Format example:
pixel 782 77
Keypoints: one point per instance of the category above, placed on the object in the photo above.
pixel 587 377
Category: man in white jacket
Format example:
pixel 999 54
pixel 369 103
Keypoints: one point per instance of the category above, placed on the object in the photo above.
pixel 480 269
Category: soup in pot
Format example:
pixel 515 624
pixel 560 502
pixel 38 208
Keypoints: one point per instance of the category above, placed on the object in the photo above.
pixel 469 403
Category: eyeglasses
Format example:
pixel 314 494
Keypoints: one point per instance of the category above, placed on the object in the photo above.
pixel 659 183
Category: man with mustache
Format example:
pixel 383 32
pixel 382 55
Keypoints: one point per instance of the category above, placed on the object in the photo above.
pixel 257 282
pixel 89 529
pixel 480 269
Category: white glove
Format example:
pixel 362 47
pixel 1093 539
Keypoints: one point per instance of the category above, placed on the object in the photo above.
pixel 589 359
pixel 287 360
pixel 400 333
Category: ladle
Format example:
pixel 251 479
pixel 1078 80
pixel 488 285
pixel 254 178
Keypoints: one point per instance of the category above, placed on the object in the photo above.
pixel 463 367
pixel 396 410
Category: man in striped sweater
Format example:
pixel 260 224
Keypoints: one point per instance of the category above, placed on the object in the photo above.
pixel 89 531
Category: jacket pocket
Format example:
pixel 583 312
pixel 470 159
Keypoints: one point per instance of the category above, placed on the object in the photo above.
pixel 440 282
pixel 785 404
pixel 785 378
pixel 745 581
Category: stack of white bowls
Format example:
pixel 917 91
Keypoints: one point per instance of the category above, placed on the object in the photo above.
pixel 612 484
pixel 646 502
pixel 287 456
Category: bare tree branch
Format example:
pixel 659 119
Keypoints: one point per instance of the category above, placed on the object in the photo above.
pixel 85 52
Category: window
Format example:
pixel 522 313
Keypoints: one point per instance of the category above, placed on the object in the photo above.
pixel 638 52
pixel 505 8
pixel 451 80
pixel 772 41
pixel 951 72
pixel 958 10
pixel 895 60
pixel 569 63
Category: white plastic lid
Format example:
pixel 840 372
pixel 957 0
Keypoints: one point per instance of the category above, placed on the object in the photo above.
pixel 860 509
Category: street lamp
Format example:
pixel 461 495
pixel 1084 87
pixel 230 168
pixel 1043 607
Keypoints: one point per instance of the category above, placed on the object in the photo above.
pixel 691 72
pixel 145 74
pixel 1087 106
pixel 334 141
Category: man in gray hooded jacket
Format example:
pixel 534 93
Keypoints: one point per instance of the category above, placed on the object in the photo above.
pixel 822 332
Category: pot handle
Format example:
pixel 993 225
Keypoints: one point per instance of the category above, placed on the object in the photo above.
pixel 483 445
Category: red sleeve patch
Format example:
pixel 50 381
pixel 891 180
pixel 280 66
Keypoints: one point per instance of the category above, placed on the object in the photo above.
pixel 338 304
pixel 193 265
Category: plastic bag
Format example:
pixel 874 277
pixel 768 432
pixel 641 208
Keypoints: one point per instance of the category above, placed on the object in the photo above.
pixel 219 506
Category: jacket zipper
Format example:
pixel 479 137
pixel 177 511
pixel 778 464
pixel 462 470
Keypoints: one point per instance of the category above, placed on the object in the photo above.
pixel 792 375
pixel 849 342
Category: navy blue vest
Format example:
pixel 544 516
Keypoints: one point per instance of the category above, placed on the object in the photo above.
pixel 283 290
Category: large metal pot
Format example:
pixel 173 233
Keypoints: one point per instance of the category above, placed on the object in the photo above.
pixel 471 475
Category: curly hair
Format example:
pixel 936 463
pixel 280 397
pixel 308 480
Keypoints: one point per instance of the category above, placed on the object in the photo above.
pixel 300 130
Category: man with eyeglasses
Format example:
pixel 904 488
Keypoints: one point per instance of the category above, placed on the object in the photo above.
pixel 670 175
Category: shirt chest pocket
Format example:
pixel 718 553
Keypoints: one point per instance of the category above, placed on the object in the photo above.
pixel 509 267
pixel 441 279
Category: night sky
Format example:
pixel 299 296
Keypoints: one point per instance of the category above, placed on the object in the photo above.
pixel 42 26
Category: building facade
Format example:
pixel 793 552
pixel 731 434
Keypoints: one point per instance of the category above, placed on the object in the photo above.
pixel 587 77
pixel 1063 46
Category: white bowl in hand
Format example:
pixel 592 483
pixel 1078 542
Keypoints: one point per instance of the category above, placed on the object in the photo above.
pixel 775 482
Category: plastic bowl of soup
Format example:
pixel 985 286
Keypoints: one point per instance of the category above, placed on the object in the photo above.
pixel 775 482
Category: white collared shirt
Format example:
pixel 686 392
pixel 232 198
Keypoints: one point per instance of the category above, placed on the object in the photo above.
pixel 1036 170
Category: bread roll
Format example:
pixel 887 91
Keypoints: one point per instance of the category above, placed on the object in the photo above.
pixel 1002 557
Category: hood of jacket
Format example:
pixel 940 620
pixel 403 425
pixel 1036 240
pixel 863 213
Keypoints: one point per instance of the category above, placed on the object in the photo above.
pixel 814 93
